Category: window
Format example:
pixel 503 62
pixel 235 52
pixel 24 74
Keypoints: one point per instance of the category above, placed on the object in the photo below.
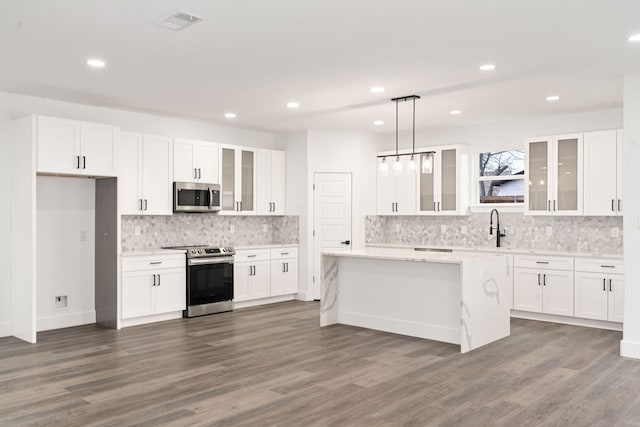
pixel 501 177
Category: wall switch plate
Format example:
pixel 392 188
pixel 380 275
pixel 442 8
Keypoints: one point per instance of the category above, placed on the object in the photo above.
pixel 61 301
pixel 136 230
pixel 83 235
pixel 443 229
pixel 265 227
pixel 615 232
pixel 232 228
pixel 396 228
pixel 549 231
pixel 463 229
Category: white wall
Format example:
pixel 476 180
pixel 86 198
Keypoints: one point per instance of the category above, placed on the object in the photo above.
pixel 630 345
pixel 5 235
pixel 65 209
pixel 13 106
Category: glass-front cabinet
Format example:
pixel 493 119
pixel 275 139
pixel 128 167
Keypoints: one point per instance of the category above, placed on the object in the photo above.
pixel 441 172
pixel 554 175
pixel 237 173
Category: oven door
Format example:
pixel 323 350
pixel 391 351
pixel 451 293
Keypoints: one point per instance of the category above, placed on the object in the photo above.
pixel 209 280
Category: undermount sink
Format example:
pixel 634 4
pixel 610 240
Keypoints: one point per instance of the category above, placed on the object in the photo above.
pixel 433 250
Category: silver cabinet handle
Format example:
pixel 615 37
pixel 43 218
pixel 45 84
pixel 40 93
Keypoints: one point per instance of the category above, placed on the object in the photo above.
pixel 284 253
pixel 77 162
pixel 620 205
pixel 538 279
pixel 544 280
pixel 554 205
pixel 613 205
pixel 607 266
pixel 549 205
pixel 604 285
pixel 154 280
pixel 240 205
pixel 158 280
pixel 434 206
pixel 146 204
pixel 438 206
pixel 251 256
pixel 542 262
pixel 140 204
pixel 155 262
pixel 284 267
pixel 610 286
pixel 84 162
pixel 199 173
pixel 195 173
pixel 210 198
pixel 393 207
pixel 287 267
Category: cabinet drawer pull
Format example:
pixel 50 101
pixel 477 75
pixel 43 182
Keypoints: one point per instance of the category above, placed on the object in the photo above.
pixel 608 266
pixel 284 253
pixel 251 256
pixel 155 262
pixel 542 262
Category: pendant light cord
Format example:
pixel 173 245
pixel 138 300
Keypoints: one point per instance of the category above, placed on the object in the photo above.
pixel 413 148
pixel 396 129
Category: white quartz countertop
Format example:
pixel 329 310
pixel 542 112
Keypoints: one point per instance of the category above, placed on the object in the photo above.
pixel 158 251
pixel 271 246
pixel 505 251
pixel 402 254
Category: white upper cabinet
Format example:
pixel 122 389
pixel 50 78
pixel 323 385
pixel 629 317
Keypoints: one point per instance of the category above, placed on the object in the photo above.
pixel 195 161
pixel 270 166
pixel 76 148
pixel 145 175
pixel 554 175
pixel 396 186
pixel 442 182
pixel 237 180
pixel 603 173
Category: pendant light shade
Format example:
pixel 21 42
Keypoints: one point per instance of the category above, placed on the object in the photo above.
pixel 426 163
pixel 397 165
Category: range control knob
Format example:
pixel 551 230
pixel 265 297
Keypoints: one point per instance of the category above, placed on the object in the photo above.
pixel 193 251
pixel 224 249
pixel 200 251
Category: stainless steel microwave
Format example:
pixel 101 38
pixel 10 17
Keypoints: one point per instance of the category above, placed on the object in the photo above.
pixel 196 197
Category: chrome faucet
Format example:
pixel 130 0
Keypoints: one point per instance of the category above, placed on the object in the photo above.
pixel 499 234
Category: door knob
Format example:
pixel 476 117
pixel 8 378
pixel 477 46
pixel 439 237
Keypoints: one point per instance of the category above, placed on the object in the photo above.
pixel 346 242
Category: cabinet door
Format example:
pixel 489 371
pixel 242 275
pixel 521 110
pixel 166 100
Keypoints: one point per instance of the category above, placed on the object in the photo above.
pixel 261 279
pixel 184 169
pixel 406 187
pixel 619 170
pixel 58 144
pixel 206 161
pixel 539 176
pixel 600 173
pixel 278 182
pixel 278 277
pixel 156 175
pixel 527 290
pixel 228 179
pixel 97 148
pixel 246 184
pixel 130 174
pixel 170 290
pixel 242 272
pixel 591 296
pixel 385 187
pixel 263 182
pixel 568 174
pixel 557 292
pixel 137 294
pixel 448 180
pixel 427 182
pixel 616 298
pixel 291 276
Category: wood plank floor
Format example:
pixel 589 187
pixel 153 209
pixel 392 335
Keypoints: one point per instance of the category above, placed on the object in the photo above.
pixel 274 365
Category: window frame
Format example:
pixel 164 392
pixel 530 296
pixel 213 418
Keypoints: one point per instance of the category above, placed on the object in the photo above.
pixel 476 206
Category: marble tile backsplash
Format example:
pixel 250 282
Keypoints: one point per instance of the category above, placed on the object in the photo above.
pixel 568 234
pixel 203 229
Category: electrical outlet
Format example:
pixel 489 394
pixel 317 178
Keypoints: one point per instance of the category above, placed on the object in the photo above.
pixel 549 231
pixel 443 229
pixel 136 230
pixel 463 229
pixel 265 227
pixel 83 235
pixel 232 228
pixel 61 301
pixel 615 232
pixel 397 228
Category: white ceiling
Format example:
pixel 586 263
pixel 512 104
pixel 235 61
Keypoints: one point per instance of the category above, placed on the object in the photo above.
pixel 252 56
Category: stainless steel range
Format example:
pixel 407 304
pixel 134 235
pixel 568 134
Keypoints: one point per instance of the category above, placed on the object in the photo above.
pixel 209 279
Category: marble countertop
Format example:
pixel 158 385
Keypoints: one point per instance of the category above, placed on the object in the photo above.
pixel 274 245
pixel 155 251
pixel 402 254
pixel 506 251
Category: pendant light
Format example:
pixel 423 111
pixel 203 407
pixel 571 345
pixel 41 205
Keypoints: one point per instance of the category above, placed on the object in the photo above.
pixel 412 165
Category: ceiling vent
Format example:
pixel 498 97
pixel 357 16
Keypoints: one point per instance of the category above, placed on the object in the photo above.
pixel 179 21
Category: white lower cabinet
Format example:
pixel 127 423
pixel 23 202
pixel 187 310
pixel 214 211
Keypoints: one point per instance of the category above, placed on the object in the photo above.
pixel 599 294
pixel 264 273
pixel 543 290
pixel 153 285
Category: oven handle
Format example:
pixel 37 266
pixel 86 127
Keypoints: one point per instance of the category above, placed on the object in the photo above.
pixel 204 261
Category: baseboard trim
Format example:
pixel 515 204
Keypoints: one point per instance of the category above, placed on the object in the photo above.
pixel 304 296
pixel 630 349
pixel 5 329
pixel 574 321
pixel 65 320
pixel 401 327
pixel 125 323
pixel 263 301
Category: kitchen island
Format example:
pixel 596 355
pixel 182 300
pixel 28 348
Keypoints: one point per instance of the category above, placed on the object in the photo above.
pixel 454 297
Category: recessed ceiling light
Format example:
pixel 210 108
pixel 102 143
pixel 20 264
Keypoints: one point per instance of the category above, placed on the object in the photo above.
pixel 552 98
pixel 95 63
pixel 487 67
pixel 377 89
pixel 455 112
pixel 635 38
pixel 230 115
pixel 292 104
pixel 378 122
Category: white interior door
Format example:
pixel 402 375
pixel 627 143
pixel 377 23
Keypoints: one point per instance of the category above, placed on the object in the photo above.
pixel 331 218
